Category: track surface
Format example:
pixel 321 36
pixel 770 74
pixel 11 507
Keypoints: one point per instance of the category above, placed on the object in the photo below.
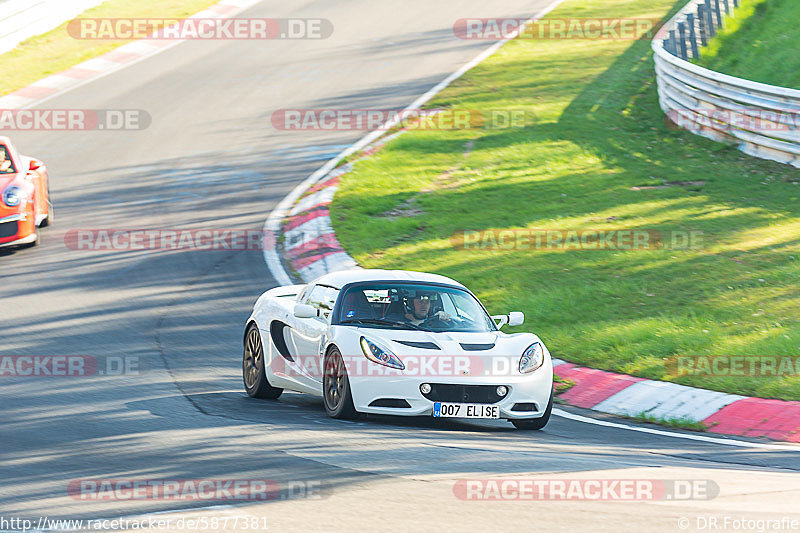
pixel 210 159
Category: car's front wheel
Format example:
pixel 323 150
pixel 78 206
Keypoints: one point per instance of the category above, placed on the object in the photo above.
pixel 255 378
pixel 37 239
pixel 50 218
pixel 536 423
pixel 336 387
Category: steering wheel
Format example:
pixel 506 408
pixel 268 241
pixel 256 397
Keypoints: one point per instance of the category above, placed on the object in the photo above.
pixel 435 321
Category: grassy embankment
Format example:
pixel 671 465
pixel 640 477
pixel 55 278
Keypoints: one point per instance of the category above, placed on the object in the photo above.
pixel 759 43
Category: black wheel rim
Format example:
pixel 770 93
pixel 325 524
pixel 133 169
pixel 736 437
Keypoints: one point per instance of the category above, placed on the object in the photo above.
pixel 334 381
pixel 253 357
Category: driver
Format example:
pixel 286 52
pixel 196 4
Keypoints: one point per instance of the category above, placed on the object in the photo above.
pixel 5 162
pixel 419 307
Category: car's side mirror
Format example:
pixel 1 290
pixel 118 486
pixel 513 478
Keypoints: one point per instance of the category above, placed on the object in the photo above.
pixel 304 311
pixel 35 165
pixel 516 318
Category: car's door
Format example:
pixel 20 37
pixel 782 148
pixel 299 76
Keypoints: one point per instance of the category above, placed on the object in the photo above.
pixel 307 336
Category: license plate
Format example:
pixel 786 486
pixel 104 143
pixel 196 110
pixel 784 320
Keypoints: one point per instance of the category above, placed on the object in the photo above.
pixel 465 410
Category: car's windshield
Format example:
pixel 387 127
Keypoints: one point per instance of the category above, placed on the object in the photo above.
pixel 6 165
pixel 413 306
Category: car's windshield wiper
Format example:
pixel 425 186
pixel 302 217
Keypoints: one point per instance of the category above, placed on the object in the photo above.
pixel 381 322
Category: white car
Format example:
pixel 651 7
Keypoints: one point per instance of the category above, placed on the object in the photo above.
pixel 396 342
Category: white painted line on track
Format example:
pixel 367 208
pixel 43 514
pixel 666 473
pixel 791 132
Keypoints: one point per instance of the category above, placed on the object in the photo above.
pixel 663 433
pixel 193 509
pixel 273 222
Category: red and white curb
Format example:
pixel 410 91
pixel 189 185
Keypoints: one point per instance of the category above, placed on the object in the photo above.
pixel 309 243
pixel 311 249
pixel 117 59
pixel 728 414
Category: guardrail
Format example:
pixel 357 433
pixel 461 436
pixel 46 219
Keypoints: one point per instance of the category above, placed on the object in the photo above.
pixel 762 119
pixel 21 19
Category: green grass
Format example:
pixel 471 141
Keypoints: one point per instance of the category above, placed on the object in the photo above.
pixel 562 385
pixel 759 43
pixel 597 132
pixel 56 51
pixel 680 423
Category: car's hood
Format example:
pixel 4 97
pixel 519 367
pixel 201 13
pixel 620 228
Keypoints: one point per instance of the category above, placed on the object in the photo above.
pixel 7 179
pixel 450 343
pixel 448 355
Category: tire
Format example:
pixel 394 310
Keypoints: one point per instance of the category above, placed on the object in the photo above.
pixel 255 378
pixel 51 216
pixel 36 241
pixel 536 423
pixel 336 387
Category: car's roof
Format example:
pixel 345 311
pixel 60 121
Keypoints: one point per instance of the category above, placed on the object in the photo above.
pixel 343 277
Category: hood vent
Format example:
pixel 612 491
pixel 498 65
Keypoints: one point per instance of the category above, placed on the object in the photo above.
pixel 423 345
pixel 476 347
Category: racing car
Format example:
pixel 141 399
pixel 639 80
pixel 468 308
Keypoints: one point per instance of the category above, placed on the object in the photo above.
pixel 25 205
pixel 396 342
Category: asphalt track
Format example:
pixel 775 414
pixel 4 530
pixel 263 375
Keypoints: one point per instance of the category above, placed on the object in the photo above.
pixel 211 160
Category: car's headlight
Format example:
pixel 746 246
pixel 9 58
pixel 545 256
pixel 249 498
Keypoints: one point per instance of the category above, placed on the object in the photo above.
pixel 532 358
pixel 13 196
pixel 379 355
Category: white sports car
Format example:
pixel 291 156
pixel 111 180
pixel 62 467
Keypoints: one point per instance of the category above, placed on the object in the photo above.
pixel 396 342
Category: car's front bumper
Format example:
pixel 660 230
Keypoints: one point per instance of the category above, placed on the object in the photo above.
pixel 533 388
pixel 15 230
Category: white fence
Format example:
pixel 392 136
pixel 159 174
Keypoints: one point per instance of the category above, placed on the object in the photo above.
pixel 21 19
pixel 762 119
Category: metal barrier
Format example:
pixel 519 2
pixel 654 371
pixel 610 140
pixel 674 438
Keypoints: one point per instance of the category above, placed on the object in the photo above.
pixel 762 119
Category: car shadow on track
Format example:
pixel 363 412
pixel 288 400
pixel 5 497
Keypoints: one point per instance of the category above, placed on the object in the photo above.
pixel 302 409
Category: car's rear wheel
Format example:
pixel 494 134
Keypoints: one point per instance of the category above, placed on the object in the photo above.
pixel 536 423
pixel 336 387
pixel 255 378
